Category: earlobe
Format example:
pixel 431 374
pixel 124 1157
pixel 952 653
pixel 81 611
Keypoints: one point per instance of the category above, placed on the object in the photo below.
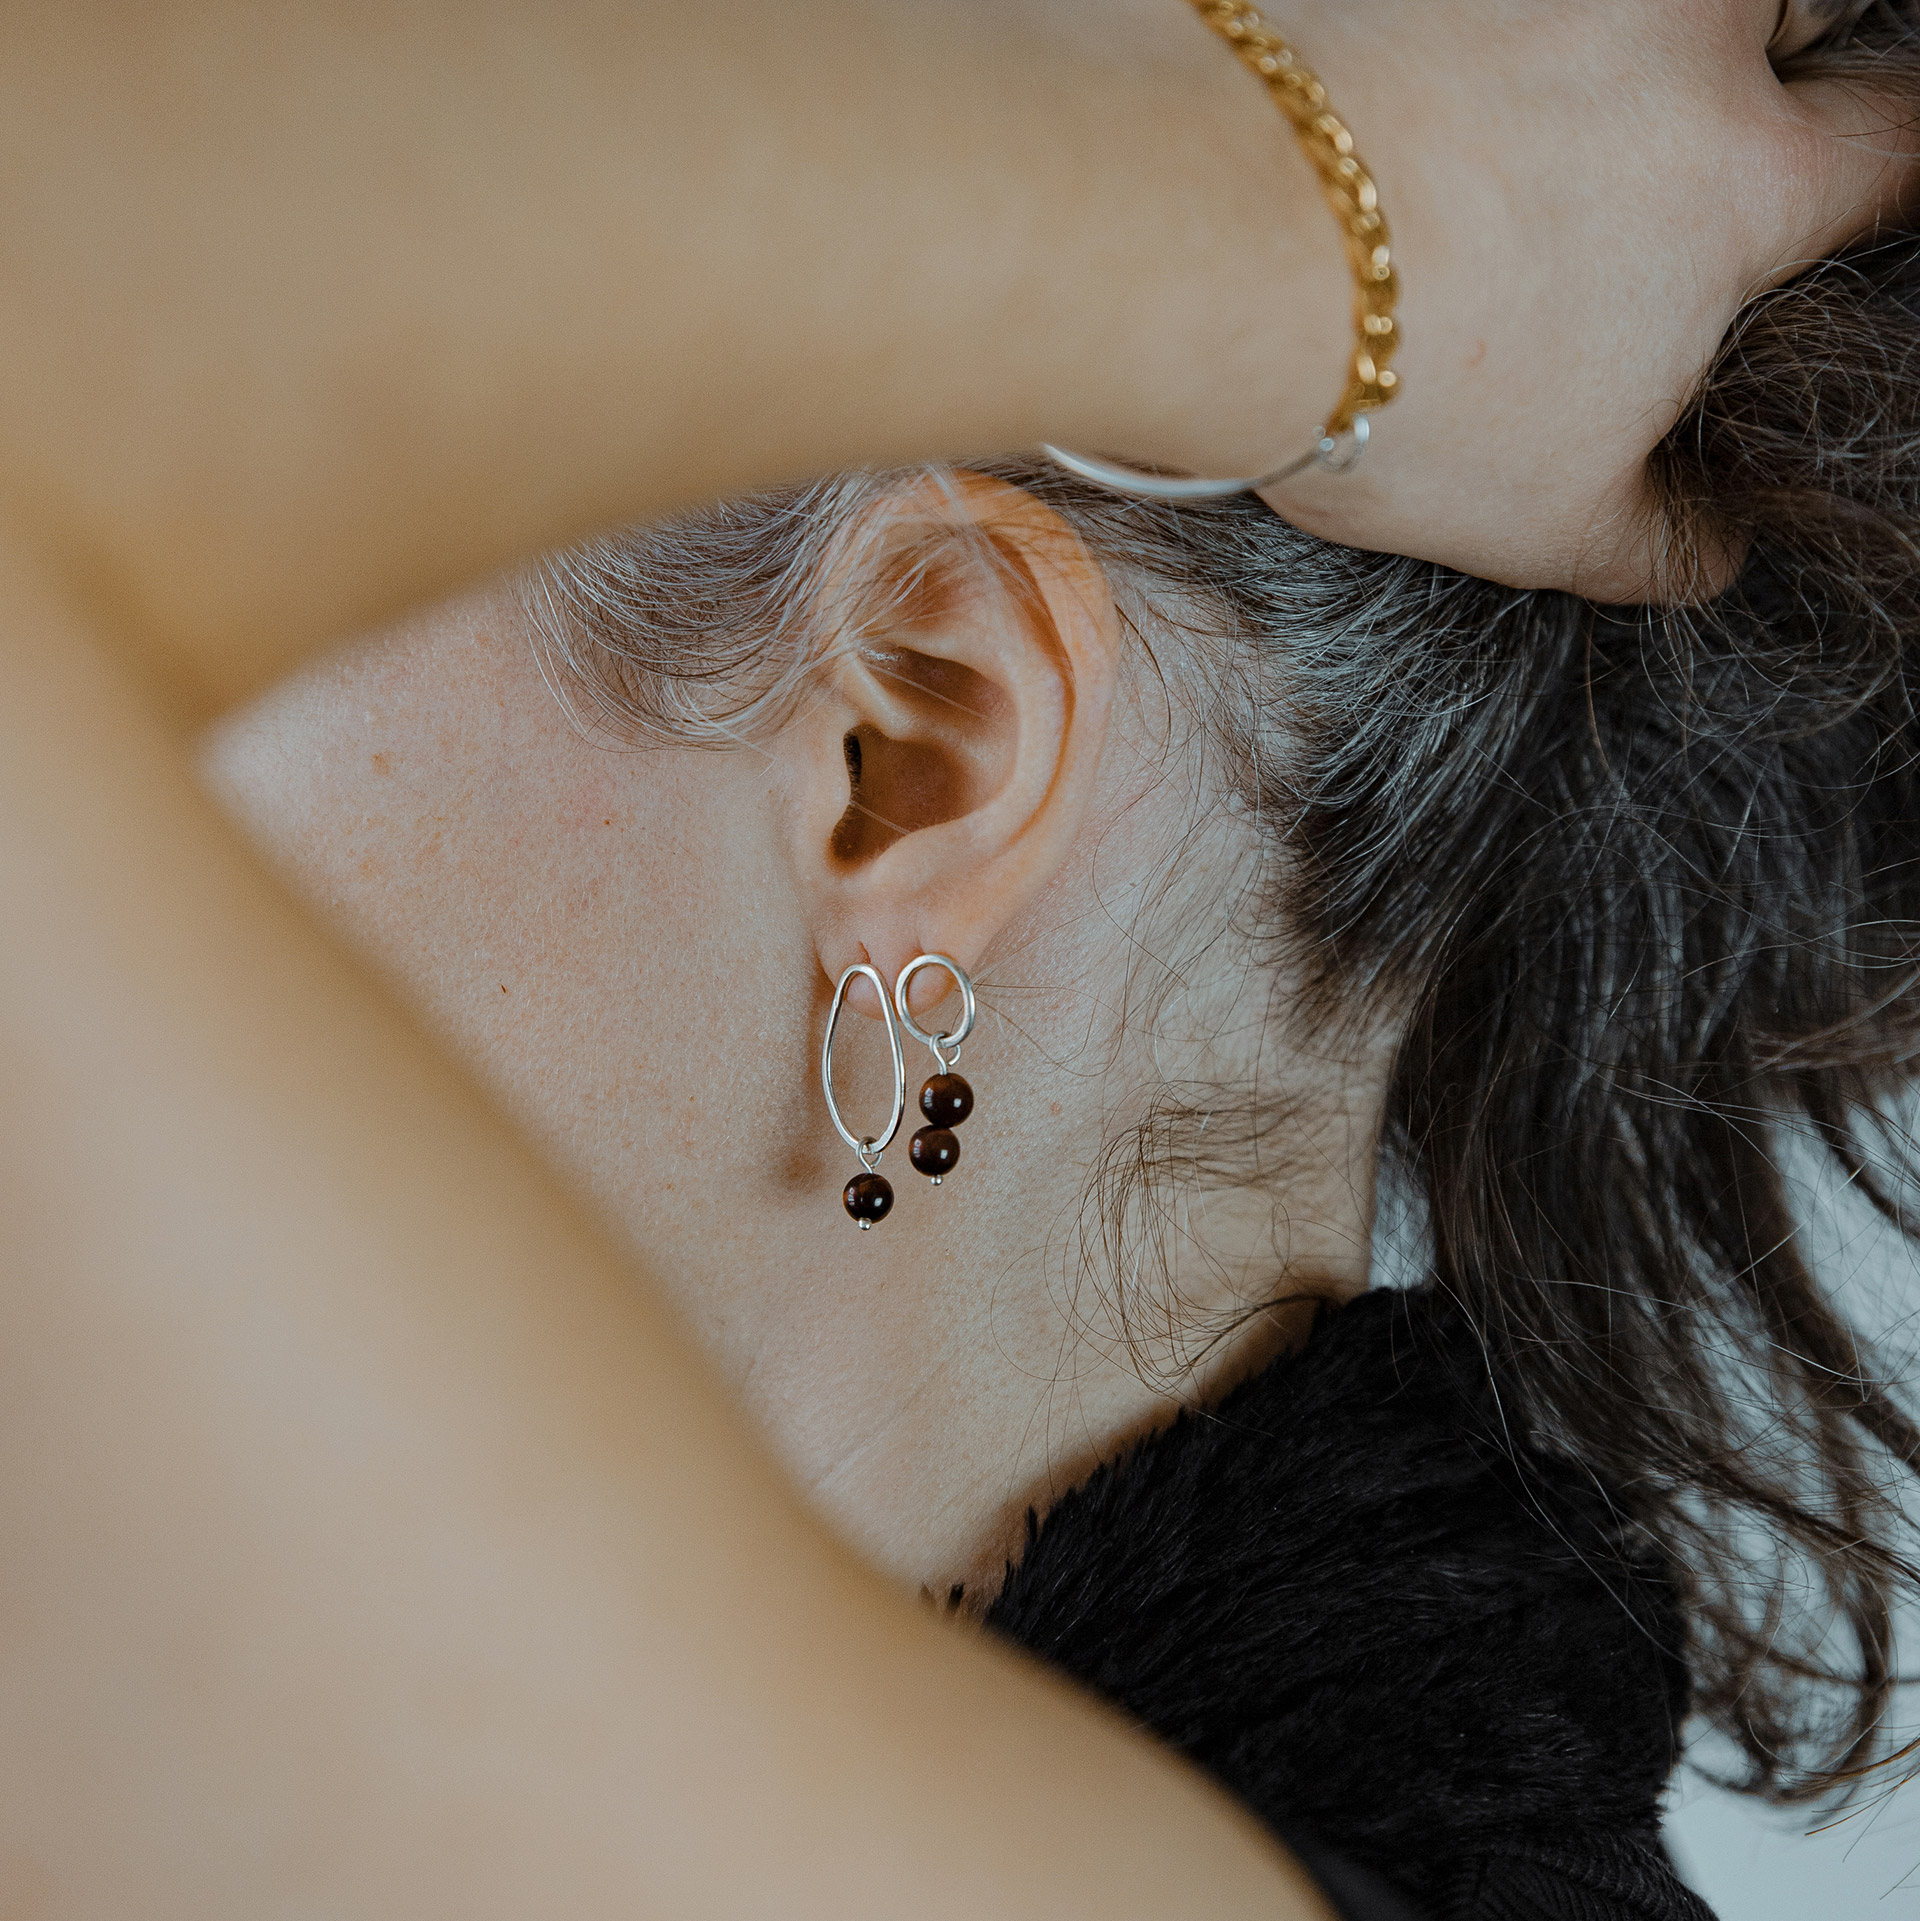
pixel 942 776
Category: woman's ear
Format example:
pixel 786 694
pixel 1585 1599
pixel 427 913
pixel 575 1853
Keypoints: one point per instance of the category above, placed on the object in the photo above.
pixel 944 771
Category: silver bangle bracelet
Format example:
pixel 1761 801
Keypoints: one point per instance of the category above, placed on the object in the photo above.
pixel 1337 453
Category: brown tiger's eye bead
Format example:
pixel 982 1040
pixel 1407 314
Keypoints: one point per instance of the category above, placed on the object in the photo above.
pixel 869 1198
pixel 934 1151
pixel 946 1100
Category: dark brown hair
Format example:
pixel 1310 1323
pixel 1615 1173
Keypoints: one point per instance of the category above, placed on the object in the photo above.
pixel 1642 888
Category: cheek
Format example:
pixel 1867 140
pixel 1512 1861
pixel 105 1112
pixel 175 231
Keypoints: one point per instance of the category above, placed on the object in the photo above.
pixel 607 936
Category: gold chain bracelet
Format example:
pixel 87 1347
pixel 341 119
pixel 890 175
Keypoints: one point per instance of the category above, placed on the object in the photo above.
pixel 1355 201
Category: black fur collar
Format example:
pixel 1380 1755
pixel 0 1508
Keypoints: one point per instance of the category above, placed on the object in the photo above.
pixel 1388 1627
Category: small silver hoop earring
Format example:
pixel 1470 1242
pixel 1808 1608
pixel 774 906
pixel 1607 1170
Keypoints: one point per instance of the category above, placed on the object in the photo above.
pixel 868 1197
pixel 946 1100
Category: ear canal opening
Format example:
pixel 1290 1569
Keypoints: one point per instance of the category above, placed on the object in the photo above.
pixel 866 830
pixel 897 787
pixel 852 835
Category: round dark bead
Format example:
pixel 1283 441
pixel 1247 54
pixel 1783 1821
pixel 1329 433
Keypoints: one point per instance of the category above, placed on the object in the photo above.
pixel 946 1100
pixel 869 1198
pixel 934 1151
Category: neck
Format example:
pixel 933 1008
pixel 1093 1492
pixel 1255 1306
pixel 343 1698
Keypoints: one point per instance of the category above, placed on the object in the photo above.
pixel 1068 1289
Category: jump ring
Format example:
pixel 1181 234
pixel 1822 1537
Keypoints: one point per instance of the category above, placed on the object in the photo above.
pixel 937 1042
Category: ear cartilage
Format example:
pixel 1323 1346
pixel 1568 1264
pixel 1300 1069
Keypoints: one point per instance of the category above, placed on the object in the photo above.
pixel 946 1100
pixel 868 1197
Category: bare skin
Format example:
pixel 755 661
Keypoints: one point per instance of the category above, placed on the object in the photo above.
pixel 379 1538
pixel 636 950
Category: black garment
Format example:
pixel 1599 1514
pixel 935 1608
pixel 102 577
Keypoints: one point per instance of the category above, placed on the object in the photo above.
pixel 1434 1661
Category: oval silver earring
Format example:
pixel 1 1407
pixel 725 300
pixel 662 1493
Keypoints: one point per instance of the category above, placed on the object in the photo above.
pixel 868 1197
pixel 946 1100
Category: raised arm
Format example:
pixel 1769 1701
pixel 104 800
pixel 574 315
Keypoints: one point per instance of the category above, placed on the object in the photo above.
pixel 314 312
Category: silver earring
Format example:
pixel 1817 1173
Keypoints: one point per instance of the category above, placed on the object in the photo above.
pixel 946 1100
pixel 868 1197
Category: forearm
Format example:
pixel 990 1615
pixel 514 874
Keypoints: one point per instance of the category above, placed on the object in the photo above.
pixel 327 310
pixel 311 313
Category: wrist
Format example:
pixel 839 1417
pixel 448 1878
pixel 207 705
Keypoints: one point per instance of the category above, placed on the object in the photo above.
pixel 1234 344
